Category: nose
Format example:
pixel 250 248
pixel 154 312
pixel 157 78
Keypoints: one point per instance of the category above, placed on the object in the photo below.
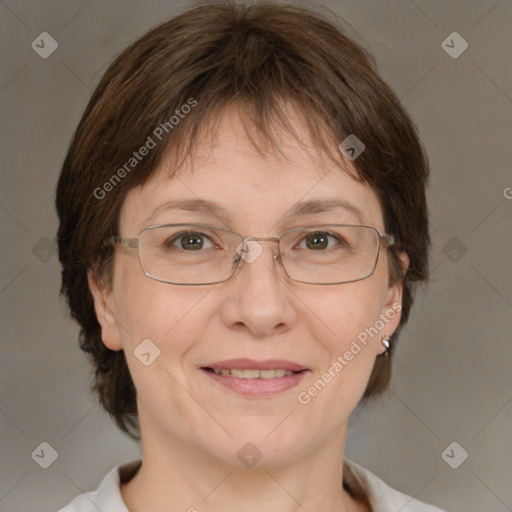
pixel 259 299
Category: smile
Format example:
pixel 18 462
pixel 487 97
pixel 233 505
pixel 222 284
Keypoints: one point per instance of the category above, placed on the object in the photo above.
pixel 253 382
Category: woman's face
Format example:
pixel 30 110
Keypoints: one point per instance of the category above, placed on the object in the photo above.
pixel 259 314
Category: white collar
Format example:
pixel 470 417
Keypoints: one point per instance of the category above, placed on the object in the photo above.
pixel 382 498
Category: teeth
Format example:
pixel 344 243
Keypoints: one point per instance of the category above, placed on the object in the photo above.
pixel 254 374
pixel 249 374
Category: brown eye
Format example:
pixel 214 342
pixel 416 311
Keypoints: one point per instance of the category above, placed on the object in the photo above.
pixel 191 241
pixel 317 241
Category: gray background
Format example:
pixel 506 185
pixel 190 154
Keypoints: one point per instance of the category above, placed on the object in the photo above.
pixel 452 379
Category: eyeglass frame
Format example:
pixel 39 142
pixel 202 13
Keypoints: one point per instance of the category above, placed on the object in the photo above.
pixel 133 243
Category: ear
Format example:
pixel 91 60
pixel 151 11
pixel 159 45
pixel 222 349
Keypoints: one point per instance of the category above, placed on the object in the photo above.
pixel 391 311
pixel 103 303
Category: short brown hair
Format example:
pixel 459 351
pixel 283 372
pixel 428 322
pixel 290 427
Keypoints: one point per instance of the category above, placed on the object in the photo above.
pixel 259 55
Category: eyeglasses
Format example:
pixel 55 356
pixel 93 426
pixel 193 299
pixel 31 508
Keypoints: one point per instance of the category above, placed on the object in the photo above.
pixel 199 254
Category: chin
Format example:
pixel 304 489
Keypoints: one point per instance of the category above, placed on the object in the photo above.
pixel 260 445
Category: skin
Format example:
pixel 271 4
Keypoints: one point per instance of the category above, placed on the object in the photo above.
pixel 191 427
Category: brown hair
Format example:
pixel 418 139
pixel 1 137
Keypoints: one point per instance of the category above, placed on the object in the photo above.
pixel 260 55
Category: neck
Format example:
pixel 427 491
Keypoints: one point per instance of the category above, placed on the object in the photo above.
pixel 183 477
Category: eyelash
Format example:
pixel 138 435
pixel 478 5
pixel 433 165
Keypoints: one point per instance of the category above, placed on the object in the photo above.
pixel 169 243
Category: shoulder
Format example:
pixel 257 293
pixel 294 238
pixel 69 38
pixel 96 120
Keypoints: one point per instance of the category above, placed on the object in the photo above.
pixel 381 497
pixel 107 497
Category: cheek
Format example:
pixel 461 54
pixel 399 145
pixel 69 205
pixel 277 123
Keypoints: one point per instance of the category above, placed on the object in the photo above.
pixel 342 323
pixel 146 308
pixel 172 318
pixel 341 313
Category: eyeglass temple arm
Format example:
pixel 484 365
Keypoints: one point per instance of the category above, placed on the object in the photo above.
pixel 387 239
pixel 129 243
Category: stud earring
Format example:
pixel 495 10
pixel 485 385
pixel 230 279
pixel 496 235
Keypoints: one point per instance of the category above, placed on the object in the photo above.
pixel 387 344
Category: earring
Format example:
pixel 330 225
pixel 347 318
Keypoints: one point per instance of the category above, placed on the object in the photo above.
pixel 387 344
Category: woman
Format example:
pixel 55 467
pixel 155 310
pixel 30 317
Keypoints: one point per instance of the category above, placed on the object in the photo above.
pixel 242 224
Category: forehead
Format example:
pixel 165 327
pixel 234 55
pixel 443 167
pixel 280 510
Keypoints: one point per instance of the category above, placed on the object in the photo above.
pixel 228 182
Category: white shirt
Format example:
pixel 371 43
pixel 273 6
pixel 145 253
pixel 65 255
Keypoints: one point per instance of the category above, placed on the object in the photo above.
pixel 381 497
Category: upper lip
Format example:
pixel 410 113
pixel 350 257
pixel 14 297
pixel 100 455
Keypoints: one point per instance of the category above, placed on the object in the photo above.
pixel 251 364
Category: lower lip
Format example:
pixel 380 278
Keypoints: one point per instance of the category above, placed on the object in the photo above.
pixel 257 387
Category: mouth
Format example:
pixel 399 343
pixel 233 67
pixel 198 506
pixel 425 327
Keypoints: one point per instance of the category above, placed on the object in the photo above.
pixel 247 373
pixel 255 378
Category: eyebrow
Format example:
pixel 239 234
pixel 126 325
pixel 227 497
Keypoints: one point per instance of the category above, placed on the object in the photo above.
pixel 309 207
pixel 324 206
pixel 190 205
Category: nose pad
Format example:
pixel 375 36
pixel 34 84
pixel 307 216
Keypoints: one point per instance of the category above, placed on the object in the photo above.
pixel 249 250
